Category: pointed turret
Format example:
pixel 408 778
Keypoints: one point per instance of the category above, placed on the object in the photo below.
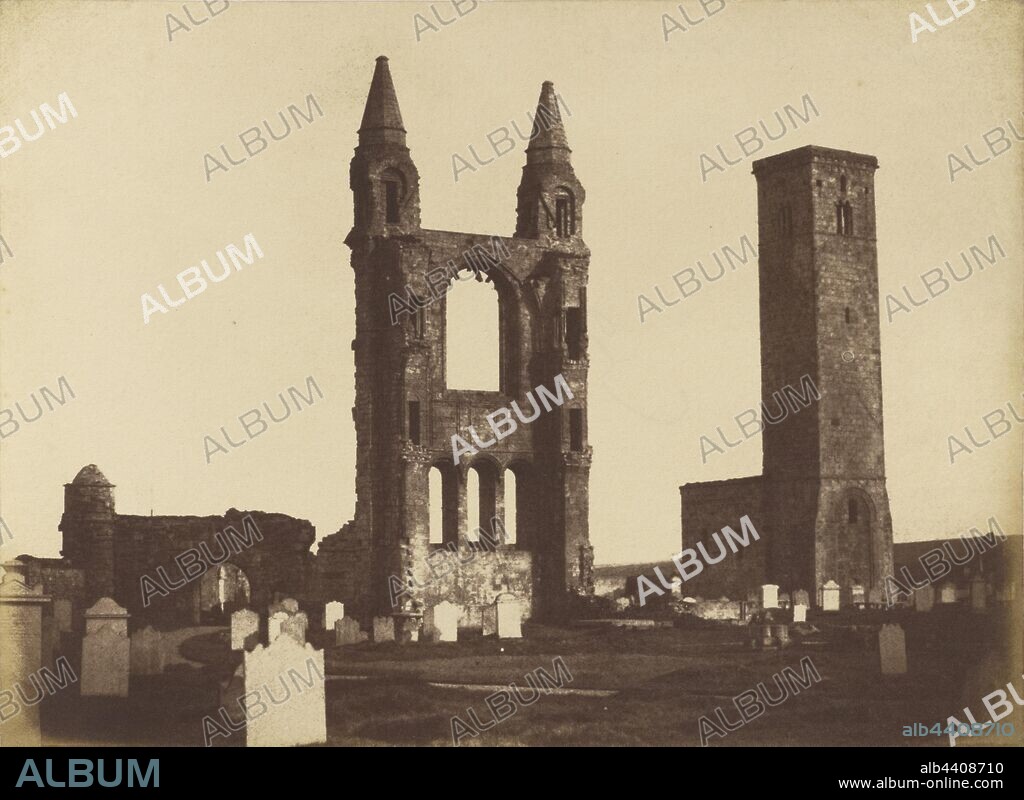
pixel 382 176
pixel 550 198
pixel 548 143
pixel 382 119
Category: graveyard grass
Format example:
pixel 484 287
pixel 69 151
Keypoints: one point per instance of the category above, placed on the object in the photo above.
pixel 662 681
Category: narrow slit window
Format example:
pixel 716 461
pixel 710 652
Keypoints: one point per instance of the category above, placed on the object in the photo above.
pixel 852 512
pixel 414 421
pixel 391 201
pixel 574 333
pixel 575 430
pixel 562 218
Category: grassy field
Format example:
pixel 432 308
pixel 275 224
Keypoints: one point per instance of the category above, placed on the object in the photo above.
pixel 628 687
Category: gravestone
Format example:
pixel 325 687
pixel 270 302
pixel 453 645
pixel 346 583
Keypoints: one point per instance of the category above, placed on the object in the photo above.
pixel 948 593
pixel 785 601
pixel 407 626
pixel 677 586
pixel 333 611
pixel 799 613
pixel 830 596
pixel 801 597
pixel 857 595
pixel 442 622
pixel 147 652
pixel 489 619
pixel 383 629
pixel 287 606
pixel 892 648
pixel 245 629
pixel 274 623
pixel 346 631
pixel 924 598
pixel 21 633
pixel 295 626
pixel 50 641
pixel 875 599
pixel 978 591
pixel 285 700
pixel 62 614
pixel 769 596
pixel 509 613
pixel 106 650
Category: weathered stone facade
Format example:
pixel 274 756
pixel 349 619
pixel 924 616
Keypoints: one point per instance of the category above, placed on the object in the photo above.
pixel 245 556
pixel 406 415
pixel 821 505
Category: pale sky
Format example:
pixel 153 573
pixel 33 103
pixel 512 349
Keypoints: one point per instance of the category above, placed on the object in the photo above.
pixel 112 203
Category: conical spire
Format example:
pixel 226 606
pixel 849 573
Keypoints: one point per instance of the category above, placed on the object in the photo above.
pixel 382 119
pixel 548 143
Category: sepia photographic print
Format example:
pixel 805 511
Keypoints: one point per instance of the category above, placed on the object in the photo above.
pixel 516 373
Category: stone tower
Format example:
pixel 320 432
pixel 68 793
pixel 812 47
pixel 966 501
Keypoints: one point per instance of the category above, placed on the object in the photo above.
pixel 406 414
pixel 87 526
pixel 824 465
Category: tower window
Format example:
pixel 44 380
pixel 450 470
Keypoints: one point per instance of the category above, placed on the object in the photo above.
pixel 575 430
pixel 842 184
pixel 565 214
pixel 414 421
pixel 574 333
pixel 844 219
pixel 419 322
pixel 852 511
pixel 562 217
pixel 849 315
pixel 391 190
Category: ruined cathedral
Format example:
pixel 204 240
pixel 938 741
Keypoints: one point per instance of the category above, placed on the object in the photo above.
pixel 391 559
pixel 820 505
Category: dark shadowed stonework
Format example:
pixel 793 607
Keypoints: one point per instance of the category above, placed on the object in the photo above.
pixel 246 561
pixel 406 415
pixel 821 505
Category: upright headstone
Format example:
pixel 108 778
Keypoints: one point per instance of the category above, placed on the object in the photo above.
pixel 287 606
pixel 785 601
pixel 245 629
pixel 801 597
pixel 383 629
pixel 892 648
pixel 948 593
pixel 295 626
pixel 441 622
pixel 274 623
pixel 769 596
pixel 830 596
pixel 875 599
pixel 346 631
pixel 62 614
pixel 857 595
pixel 489 619
pixel 510 617
pixel 21 633
pixel 285 700
pixel 333 611
pixel 147 656
pixel 924 598
pixel 979 594
pixel 799 613
pixel 106 649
